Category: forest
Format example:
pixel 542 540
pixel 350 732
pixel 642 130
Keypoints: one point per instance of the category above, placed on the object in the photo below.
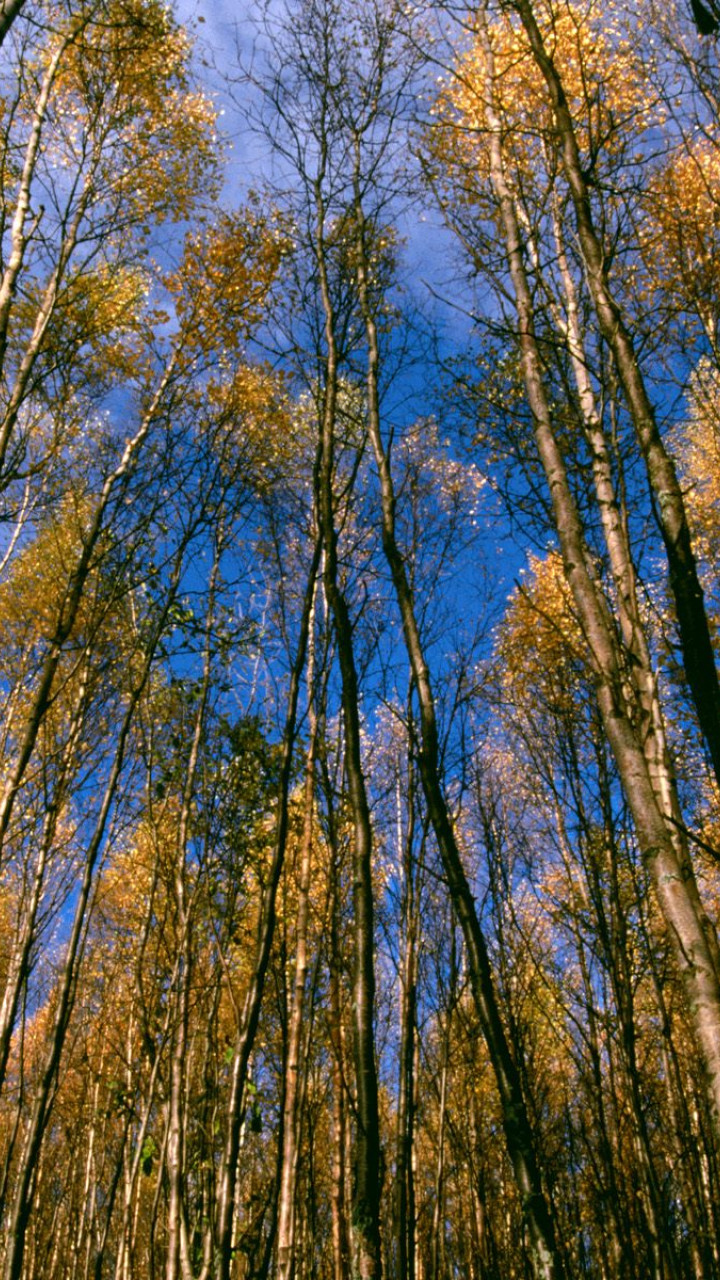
pixel 359 606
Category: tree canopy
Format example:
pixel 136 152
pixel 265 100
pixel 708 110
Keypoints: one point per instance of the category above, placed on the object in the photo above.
pixel 359 700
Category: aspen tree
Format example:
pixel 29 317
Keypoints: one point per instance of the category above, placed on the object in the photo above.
pixel 626 683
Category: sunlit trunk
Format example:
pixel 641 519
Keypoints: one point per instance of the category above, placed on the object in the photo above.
pixel 663 845
pixel 293 1062
pixel 698 655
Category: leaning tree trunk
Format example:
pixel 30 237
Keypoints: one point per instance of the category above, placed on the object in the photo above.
pixel 695 638
pixel 642 765
pixel 546 1258
pixel 366 1164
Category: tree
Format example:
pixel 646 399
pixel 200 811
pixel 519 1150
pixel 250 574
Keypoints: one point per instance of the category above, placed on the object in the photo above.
pixel 619 653
pixel 359 888
pixel 8 13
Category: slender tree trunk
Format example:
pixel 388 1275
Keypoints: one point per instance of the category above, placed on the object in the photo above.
pixel 338 1197
pixel 125 1231
pixel 404 1170
pixel 177 1262
pixel 617 1239
pixel 178 1259
pixel 696 641
pixel 84 1226
pixel 437 1229
pixel 292 1082
pixel 662 843
pixel 483 1245
pixel 340 1235
pixel 546 1259
pixel 227 1178
pixel 95 1267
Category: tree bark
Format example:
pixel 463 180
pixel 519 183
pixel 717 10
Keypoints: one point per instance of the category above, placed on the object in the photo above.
pixel 661 841
pixel 366 1163
pixel 695 638
pixel 546 1258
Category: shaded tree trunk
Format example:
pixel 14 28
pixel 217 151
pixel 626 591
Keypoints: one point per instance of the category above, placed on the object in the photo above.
pixel 292 1127
pixel 643 769
pixel 227 1178
pixel 9 11
pixel 697 648
pixel 546 1258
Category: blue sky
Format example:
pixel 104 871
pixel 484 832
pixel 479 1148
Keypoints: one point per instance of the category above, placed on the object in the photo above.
pixel 227 30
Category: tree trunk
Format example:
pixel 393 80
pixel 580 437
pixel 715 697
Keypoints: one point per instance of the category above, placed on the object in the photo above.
pixel 695 638
pixel 405 1132
pixel 366 1163
pixel 9 10
pixel 340 1234
pixel 546 1259
pixel 662 843
pixel 293 1091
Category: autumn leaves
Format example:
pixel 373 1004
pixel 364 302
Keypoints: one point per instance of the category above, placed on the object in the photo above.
pixel 348 927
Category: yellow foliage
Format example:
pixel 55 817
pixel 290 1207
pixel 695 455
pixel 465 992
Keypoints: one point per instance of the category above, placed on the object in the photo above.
pixel 132 44
pixel 224 279
pixel 32 594
pixel 678 234
pixel 106 301
pixel 101 312
pixel 123 86
pixel 260 431
pixel 99 653
pixel 607 92
pixel 126 882
pixel 540 644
